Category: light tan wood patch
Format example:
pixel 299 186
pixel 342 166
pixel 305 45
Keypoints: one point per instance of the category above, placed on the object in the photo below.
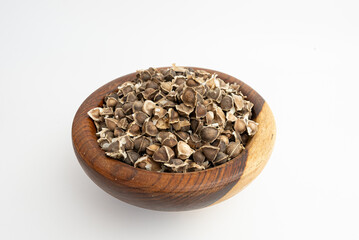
pixel 259 151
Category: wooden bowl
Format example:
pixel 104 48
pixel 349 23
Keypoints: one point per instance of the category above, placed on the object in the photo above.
pixel 172 191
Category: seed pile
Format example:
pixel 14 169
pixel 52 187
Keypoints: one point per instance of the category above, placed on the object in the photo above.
pixel 174 120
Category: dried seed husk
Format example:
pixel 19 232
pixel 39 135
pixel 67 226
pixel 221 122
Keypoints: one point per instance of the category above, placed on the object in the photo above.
pixel 141 143
pixel 103 141
pixel 152 148
pixel 119 113
pixel 178 80
pixel 209 117
pixel 163 154
pixel 184 136
pixel 185 125
pixel 137 106
pixel 244 138
pixel 189 97
pixel 223 84
pixel 127 108
pixel 219 117
pixel 102 133
pixel 133 129
pixel 165 103
pixel 178 69
pixel 106 111
pixel 182 125
pixel 148 107
pixel 147 163
pixel 169 74
pixel 252 127
pixel 171 96
pixel 220 144
pixel 99 125
pixel 238 102
pixel 211 81
pixel 240 126
pixel 173 116
pixel 111 102
pixel 230 117
pixel 149 128
pixel 229 126
pixel 118 132
pixel 152 84
pixel 109 135
pixel 140 117
pixel 166 87
pixel 184 110
pixel 116 155
pixel 192 83
pixel 199 157
pixel 131 97
pixel 237 136
pixel 179 91
pixel 212 107
pixel 129 118
pixel 227 133
pixel 194 141
pixel 224 138
pixel 145 75
pixel 95 114
pixel 158 77
pixel 226 103
pixel 193 167
pixel 149 93
pixel 209 134
pixel 170 142
pixel 207 102
pixel 248 106
pixel 206 164
pixel 201 90
pixel 200 111
pixel 125 88
pixel 163 135
pixel 215 94
pixel 196 125
pixel 122 123
pixel 177 165
pixel 235 88
pixel 111 123
pixel 176 126
pixel 159 112
pixel 184 151
pixel 190 74
pixel 126 142
pixel 114 146
pixel 234 149
pixel 163 123
pixel 210 152
pixel 132 157
pixel 159 96
pixel 167 139
pixel 220 159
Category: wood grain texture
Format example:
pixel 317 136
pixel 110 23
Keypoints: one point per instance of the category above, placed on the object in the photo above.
pixel 257 156
pixel 169 191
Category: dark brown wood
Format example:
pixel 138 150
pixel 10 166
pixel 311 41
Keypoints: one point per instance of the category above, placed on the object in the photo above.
pixel 152 190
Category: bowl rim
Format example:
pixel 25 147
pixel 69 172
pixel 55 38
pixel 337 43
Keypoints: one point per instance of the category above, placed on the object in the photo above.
pixel 104 165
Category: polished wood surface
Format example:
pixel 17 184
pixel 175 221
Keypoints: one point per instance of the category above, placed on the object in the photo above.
pixel 172 191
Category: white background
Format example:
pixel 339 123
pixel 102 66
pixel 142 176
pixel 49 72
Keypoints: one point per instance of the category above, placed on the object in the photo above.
pixel 301 56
